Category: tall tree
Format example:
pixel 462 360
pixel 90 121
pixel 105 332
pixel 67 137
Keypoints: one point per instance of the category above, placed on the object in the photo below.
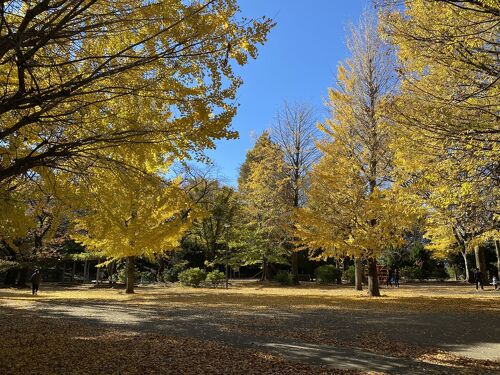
pixel 266 210
pixel 447 115
pixel 295 131
pixel 448 54
pixel 219 208
pixel 352 207
pixel 93 84
pixel 125 216
pixel 76 75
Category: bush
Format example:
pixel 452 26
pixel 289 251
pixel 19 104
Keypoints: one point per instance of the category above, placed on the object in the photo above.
pixel 215 278
pixel 192 277
pixel 328 274
pixel 350 275
pixel 172 274
pixel 147 277
pixel 440 272
pixel 121 274
pixel 412 273
pixel 284 277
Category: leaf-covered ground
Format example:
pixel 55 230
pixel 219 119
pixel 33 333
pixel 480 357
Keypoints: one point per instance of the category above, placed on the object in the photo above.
pixel 250 328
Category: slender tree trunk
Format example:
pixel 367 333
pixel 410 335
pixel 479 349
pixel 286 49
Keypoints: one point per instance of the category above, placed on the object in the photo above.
pixel 161 269
pixel 466 263
pixel 111 270
pixel 373 289
pixel 86 271
pixel 481 264
pixel 97 275
pixel 265 270
pixel 497 249
pixel 295 267
pixel 358 273
pixel 130 274
pixel 73 269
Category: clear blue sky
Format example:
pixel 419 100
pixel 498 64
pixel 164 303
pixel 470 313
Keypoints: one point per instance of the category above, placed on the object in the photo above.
pixel 298 64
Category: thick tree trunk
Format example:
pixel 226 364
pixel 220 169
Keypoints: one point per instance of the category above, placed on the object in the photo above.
pixel 497 249
pixel 358 274
pixel 481 264
pixel 373 289
pixel 466 263
pixel 130 274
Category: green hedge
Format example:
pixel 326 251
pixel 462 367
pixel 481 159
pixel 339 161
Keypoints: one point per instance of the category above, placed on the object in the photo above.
pixel 192 277
pixel 328 274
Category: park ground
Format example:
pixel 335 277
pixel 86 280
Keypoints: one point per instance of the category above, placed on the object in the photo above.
pixel 251 328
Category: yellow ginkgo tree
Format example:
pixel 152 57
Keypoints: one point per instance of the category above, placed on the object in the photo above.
pixel 126 216
pixel 352 207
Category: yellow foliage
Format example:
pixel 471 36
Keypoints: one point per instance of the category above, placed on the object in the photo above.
pixel 128 215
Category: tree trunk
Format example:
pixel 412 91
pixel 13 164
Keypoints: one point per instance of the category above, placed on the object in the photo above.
pixel 295 267
pixel 73 269
pixel 265 270
pixel 63 272
pixel 161 269
pixel 86 271
pixel 497 249
pixel 481 264
pixel 358 274
pixel 373 289
pixel 130 274
pixel 467 272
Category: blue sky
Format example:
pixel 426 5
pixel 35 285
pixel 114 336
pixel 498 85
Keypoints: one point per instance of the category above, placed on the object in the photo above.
pixel 297 64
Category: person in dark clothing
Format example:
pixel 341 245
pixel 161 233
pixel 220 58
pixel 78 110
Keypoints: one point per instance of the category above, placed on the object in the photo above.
pixel 478 278
pixel 35 281
pixel 396 278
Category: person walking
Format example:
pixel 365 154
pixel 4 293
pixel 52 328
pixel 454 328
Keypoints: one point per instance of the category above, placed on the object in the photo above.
pixel 494 281
pixel 35 281
pixel 478 278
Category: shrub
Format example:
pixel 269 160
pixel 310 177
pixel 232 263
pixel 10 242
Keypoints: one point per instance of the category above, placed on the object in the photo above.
pixel 172 274
pixel 350 275
pixel 147 277
pixel 284 277
pixel 215 278
pixel 411 273
pixel 328 274
pixel 121 274
pixel 440 272
pixel 6 265
pixel 192 276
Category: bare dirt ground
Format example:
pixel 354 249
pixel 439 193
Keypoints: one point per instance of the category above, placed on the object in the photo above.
pixel 251 328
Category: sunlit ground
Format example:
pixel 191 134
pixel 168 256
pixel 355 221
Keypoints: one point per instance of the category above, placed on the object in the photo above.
pixel 423 328
pixel 412 297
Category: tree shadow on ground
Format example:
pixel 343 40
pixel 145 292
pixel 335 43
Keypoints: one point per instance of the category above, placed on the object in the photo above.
pixel 349 334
